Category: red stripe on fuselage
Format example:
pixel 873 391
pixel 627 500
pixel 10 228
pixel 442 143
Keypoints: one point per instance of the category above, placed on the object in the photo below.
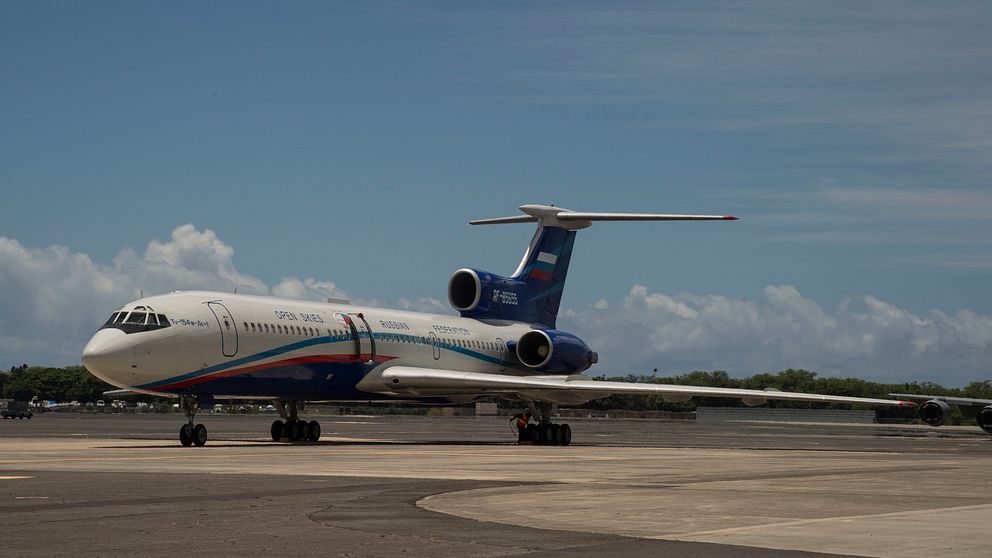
pixel 379 359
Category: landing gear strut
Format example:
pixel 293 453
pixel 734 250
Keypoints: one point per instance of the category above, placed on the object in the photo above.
pixel 545 432
pixel 190 434
pixel 294 429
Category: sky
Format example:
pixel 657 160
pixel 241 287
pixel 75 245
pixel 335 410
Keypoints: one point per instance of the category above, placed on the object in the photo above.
pixel 316 149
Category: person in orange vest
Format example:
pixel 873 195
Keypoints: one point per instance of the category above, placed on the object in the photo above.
pixel 521 420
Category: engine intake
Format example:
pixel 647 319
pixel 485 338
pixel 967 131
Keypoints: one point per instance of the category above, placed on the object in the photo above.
pixel 464 290
pixel 984 419
pixel 554 352
pixel 935 412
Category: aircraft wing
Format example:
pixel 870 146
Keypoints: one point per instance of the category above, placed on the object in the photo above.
pixel 966 401
pixel 409 380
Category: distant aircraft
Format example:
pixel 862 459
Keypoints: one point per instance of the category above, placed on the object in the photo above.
pixel 202 346
pixel 937 408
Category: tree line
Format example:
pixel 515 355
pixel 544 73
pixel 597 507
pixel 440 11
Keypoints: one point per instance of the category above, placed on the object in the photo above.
pixel 75 383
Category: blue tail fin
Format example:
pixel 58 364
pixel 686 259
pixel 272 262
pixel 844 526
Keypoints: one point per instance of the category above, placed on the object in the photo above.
pixel 543 271
pixel 533 293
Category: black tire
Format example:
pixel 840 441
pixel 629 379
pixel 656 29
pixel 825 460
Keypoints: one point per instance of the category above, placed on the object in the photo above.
pixel 566 434
pixel 313 431
pixel 543 433
pixel 530 434
pixel 199 435
pixel 186 435
pixel 300 430
pixel 277 430
pixel 554 437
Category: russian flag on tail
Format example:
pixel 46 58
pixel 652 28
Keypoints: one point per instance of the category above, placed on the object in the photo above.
pixel 544 266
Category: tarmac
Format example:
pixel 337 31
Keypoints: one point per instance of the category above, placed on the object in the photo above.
pixel 121 485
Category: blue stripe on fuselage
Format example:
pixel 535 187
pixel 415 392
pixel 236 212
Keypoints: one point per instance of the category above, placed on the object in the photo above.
pixel 302 344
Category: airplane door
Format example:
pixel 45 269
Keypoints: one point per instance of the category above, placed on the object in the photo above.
pixel 228 328
pixel 436 346
pixel 361 333
pixel 502 353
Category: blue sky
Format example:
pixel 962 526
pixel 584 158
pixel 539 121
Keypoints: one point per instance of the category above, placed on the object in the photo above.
pixel 350 143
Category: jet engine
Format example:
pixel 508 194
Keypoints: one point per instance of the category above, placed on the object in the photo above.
pixel 554 352
pixel 935 412
pixel 984 419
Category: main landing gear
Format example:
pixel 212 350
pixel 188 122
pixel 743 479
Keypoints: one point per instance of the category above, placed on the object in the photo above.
pixel 545 432
pixel 190 434
pixel 294 429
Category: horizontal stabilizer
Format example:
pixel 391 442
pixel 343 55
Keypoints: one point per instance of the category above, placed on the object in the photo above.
pixel 589 216
pixel 568 219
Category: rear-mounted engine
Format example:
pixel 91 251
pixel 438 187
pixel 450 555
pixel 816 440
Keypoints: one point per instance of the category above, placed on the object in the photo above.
pixel 554 352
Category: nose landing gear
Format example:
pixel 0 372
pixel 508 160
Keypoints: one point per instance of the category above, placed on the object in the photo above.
pixel 294 429
pixel 190 434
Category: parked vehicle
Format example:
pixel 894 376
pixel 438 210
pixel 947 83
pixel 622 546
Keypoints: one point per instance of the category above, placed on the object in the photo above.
pixel 16 409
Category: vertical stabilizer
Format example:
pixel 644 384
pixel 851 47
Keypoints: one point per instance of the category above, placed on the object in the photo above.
pixel 533 293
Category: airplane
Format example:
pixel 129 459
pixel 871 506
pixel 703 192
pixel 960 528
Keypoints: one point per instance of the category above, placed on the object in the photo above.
pixel 203 346
pixel 936 408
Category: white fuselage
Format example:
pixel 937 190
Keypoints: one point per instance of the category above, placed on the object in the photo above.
pixel 228 345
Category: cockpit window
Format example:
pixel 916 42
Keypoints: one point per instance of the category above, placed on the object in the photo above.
pixel 137 321
pixel 136 318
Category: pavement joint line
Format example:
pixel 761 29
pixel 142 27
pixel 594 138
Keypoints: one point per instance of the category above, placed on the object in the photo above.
pixel 800 522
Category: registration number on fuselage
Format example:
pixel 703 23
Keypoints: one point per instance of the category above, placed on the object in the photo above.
pixel 505 297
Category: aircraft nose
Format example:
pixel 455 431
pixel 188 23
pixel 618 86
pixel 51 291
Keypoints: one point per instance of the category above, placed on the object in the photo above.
pixel 108 355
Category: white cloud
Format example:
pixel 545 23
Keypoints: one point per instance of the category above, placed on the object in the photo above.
pixel 866 337
pixel 54 299
pixel 307 289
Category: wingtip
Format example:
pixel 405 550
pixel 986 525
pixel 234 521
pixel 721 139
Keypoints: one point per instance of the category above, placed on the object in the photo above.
pixel 729 218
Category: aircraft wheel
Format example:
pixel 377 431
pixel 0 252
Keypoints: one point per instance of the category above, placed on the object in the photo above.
pixel 186 435
pixel 565 431
pixel 300 430
pixel 543 433
pixel 276 430
pixel 313 431
pixel 531 433
pixel 555 435
pixel 199 435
